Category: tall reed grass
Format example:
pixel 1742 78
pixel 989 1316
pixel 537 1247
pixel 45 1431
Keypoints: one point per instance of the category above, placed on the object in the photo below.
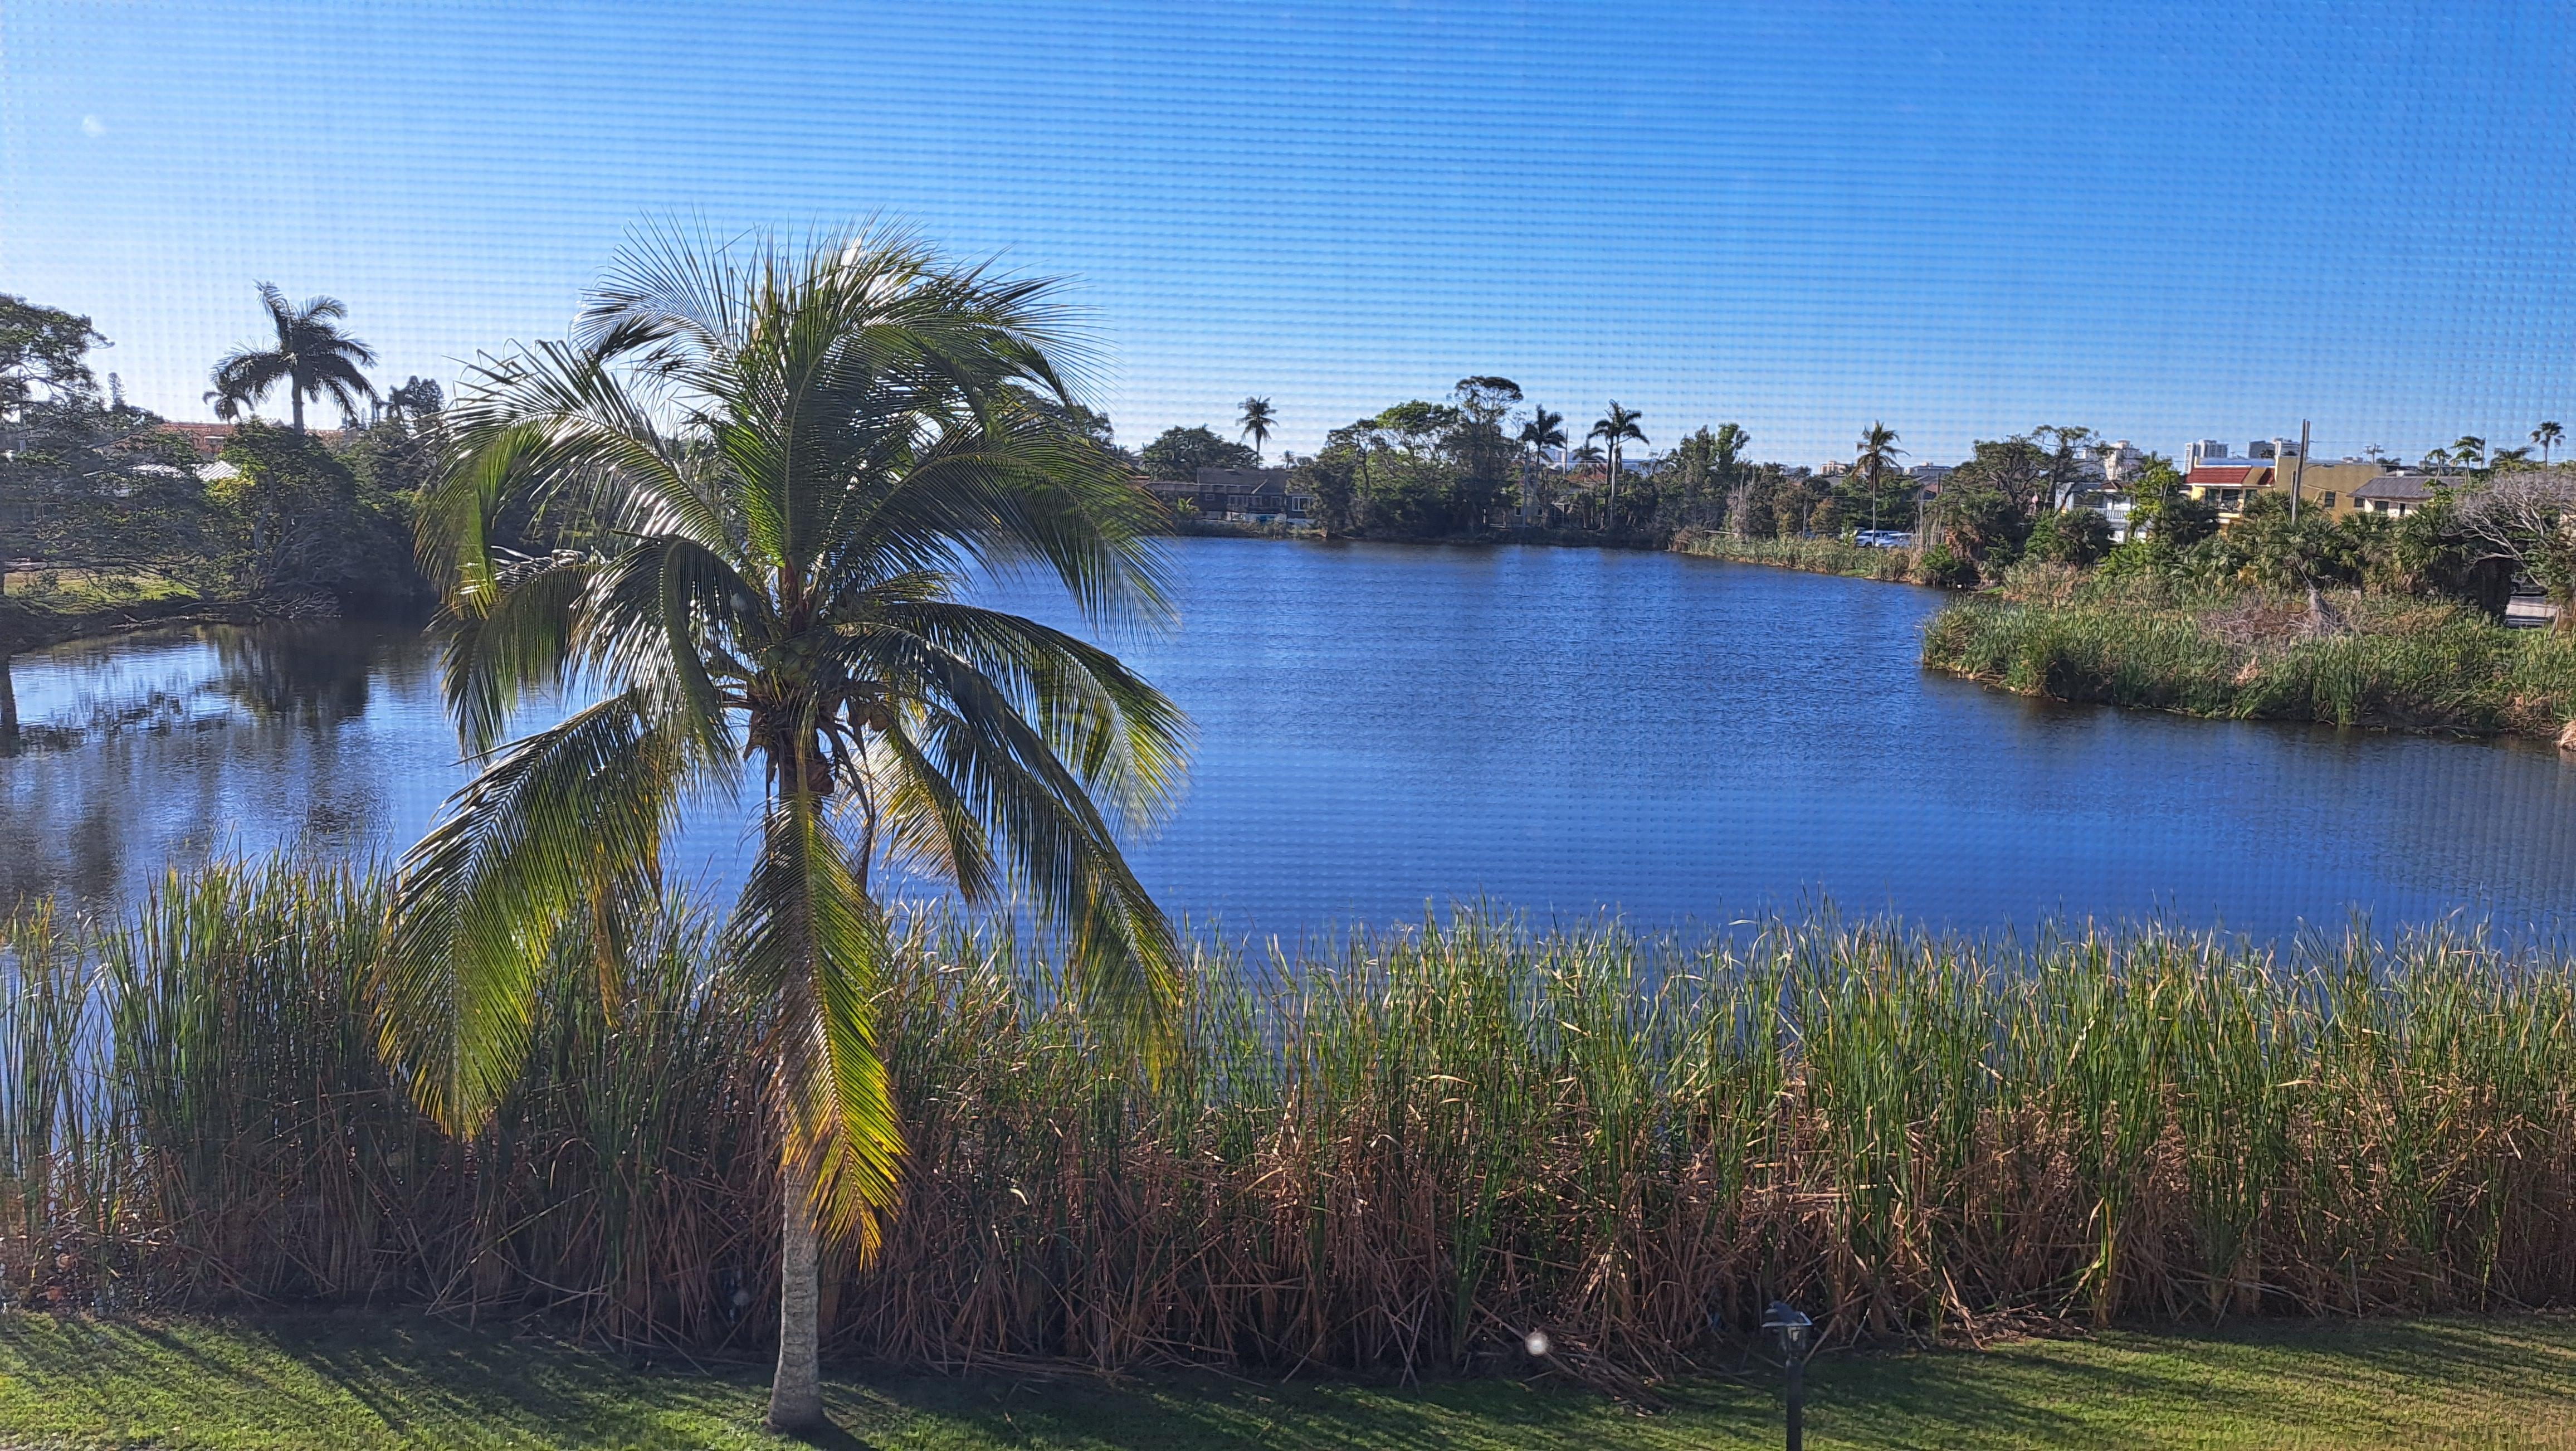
pixel 2402 664
pixel 1814 556
pixel 1395 1154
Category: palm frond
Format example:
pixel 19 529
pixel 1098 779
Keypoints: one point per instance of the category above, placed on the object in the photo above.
pixel 548 825
pixel 806 937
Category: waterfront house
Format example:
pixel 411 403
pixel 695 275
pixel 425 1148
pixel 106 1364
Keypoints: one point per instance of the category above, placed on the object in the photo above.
pixel 1256 496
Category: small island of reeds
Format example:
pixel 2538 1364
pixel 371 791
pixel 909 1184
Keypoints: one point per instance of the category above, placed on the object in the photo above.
pixel 2342 657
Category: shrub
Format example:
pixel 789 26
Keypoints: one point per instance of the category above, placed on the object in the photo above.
pixel 1945 568
pixel 2070 536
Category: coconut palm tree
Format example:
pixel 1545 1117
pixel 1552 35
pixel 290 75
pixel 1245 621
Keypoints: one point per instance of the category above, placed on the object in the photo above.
pixel 2547 436
pixel 1256 421
pixel 1877 450
pixel 1544 430
pixel 798 455
pixel 2470 451
pixel 313 358
pixel 1616 427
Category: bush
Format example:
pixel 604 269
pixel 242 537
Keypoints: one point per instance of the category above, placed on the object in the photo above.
pixel 2072 536
pixel 1945 568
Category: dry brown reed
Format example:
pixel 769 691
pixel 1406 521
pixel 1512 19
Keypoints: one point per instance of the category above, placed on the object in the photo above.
pixel 1394 1155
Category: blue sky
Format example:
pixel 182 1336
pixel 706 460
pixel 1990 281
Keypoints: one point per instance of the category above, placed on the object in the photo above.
pixel 2163 222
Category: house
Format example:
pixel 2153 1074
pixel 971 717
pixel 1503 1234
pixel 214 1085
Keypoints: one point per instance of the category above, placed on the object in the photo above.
pixel 208 439
pixel 1260 496
pixel 2331 486
pixel 2343 487
pixel 2227 483
pixel 2396 495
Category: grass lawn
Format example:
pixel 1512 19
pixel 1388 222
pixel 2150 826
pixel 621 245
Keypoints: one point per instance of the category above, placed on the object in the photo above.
pixel 394 1380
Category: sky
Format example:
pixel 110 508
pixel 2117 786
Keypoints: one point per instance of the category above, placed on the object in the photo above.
pixel 2165 222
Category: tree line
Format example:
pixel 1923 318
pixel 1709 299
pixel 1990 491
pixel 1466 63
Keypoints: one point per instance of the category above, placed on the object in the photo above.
pixel 1487 458
pixel 96 493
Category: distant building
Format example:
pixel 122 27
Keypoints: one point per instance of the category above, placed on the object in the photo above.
pixel 2397 495
pixel 2203 451
pixel 2228 483
pixel 2121 462
pixel 208 439
pixel 2341 487
pixel 1260 496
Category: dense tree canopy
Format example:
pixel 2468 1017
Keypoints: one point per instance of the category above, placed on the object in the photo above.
pixel 1179 453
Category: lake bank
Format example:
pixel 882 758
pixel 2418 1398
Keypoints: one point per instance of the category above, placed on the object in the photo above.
pixel 2393 664
pixel 1808 556
pixel 1638 1140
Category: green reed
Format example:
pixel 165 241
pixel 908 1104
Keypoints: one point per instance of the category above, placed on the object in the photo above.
pixel 1394 1151
pixel 2381 662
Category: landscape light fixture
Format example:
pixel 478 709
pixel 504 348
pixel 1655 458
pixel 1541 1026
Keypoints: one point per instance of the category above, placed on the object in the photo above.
pixel 1537 1344
pixel 1797 1336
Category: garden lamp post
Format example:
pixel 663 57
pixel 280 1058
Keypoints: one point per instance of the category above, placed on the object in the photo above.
pixel 1797 1336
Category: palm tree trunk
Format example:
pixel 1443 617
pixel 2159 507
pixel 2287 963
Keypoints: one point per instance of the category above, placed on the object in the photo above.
pixel 796 1392
pixel 295 396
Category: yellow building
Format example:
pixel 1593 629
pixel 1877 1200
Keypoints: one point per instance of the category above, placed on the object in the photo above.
pixel 2347 486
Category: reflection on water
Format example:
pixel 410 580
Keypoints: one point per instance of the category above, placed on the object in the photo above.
pixel 1559 730
pixel 152 750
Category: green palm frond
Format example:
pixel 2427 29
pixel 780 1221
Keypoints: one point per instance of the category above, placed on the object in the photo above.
pixel 553 823
pixel 806 938
pixel 789 462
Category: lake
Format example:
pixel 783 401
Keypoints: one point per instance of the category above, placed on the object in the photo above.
pixel 1384 728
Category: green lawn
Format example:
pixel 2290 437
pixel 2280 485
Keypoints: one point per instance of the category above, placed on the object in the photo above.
pixel 381 1381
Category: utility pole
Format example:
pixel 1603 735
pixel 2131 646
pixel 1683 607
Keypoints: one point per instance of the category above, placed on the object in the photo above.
pixel 2298 475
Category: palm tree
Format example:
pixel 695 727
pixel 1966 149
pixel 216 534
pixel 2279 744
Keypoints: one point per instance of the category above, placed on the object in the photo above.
pixel 1543 431
pixel 798 455
pixel 313 358
pixel 1617 426
pixel 1877 450
pixel 1256 422
pixel 2470 451
pixel 2547 436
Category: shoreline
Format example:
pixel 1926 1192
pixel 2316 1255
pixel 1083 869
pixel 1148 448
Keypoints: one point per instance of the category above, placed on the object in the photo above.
pixel 2405 666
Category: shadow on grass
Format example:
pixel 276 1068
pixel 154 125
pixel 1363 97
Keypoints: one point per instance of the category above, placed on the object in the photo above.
pixel 398 1379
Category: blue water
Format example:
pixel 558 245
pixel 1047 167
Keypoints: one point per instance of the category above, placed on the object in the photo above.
pixel 1385 728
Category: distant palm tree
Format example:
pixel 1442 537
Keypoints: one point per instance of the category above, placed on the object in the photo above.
pixel 1615 428
pixel 800 457
pixel 1543 431
pixel 313 358
pixel 2547 436
pixel 2436 460
pixel 1877 450
pixel 1256 422
pixel 2470 450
